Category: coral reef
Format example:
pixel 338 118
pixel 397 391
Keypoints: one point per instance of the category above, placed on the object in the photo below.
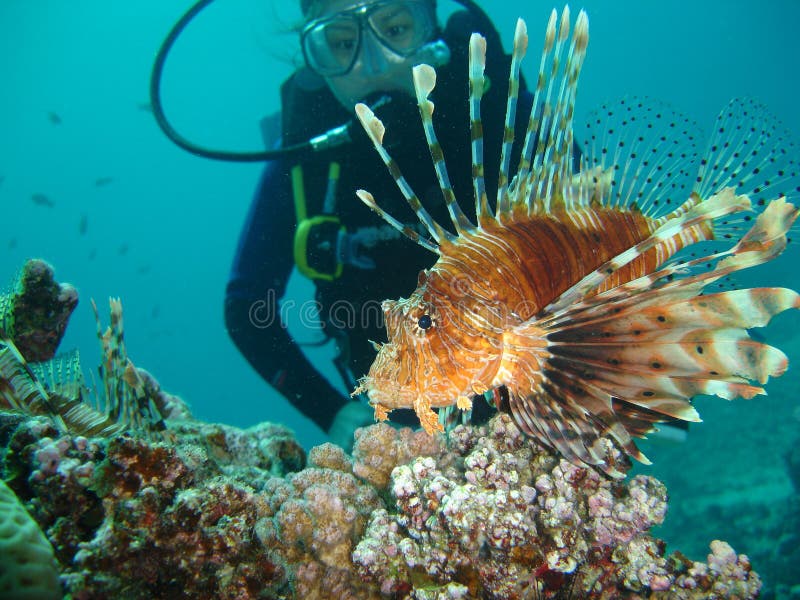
pixel 219 512
pixel 136 518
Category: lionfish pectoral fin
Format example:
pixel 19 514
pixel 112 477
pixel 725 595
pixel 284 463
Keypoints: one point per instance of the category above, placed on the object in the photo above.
pixel 637 353
pixel 381 412
pixel 554 417
pixel 767 237
pixel 566 413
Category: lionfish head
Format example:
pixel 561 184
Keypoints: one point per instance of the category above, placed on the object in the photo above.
pixel 431 357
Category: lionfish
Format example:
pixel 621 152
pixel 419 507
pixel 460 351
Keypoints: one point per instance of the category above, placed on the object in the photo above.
pixel 568 295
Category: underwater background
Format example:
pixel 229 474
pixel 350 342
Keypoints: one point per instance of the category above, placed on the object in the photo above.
pixel 90 184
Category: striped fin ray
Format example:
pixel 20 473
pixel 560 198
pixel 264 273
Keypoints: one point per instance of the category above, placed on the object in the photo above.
pixel 535 120
pixel 652 151
pixel 567 413
pixel 424 82
pixel 407 231
pixel 545 108
pixel 62 375
pixel 576 439
pixel 561 164
pixel 553 158
pixel 765 240
pixel 477 82
pixel 678 364
pixel 375 129
pixel 517 54
pixel 721 204
pixel 20 389
pixel 631 321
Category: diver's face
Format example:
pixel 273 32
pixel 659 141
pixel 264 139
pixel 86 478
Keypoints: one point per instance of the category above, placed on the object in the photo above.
pixel 364 47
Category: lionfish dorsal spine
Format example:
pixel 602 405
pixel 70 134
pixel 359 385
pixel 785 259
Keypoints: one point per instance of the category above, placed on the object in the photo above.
pixel 407 231
pixel 518 53
pixel 557 155
pixel 424 81
pixel 544 134
pixel 477 66
pixel 375 130
pixel 535 120
pixel 545 168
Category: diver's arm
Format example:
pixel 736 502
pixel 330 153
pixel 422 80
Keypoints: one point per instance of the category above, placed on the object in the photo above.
pixel 260 271
pixel 275 356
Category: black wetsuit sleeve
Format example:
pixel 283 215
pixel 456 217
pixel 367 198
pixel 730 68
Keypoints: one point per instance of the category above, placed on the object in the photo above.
pixel 260 272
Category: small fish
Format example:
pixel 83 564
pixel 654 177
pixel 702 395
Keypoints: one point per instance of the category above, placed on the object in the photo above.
pixel 143 270
pixel 155 311
pixel 12 243
pixel 145 106
pixel 92 254
pixel 83 224
pixel 123 249
pixel 565 296
pixel 103 181
pixel 42 200
pixel 54 118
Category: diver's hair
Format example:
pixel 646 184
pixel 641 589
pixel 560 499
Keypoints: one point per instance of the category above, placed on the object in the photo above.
pixel 306 7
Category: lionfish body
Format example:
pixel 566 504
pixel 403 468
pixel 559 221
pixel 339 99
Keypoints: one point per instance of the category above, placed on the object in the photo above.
pixel 565 294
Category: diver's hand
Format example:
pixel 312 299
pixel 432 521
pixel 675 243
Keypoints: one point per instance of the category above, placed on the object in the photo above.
pixel 349 418
pixel 351 248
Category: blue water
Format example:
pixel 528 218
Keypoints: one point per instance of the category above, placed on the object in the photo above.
pixel 162 232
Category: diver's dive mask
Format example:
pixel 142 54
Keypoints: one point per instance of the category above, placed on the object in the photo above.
pixel 332 44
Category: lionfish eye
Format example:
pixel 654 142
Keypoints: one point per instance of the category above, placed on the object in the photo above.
pixel 425 322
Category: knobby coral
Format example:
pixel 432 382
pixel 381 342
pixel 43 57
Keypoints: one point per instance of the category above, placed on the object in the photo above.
pixel 27 566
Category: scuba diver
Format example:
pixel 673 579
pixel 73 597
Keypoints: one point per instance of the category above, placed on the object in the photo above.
pixel 305 212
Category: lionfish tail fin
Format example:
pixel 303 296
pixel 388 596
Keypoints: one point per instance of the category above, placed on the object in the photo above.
pixel 751 151
pixel 614 364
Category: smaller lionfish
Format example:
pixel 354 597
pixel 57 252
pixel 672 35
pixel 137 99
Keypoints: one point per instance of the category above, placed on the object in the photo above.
pixel 568 295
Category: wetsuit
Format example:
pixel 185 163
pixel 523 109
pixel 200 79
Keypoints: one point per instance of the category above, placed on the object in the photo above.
pixel 350 302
